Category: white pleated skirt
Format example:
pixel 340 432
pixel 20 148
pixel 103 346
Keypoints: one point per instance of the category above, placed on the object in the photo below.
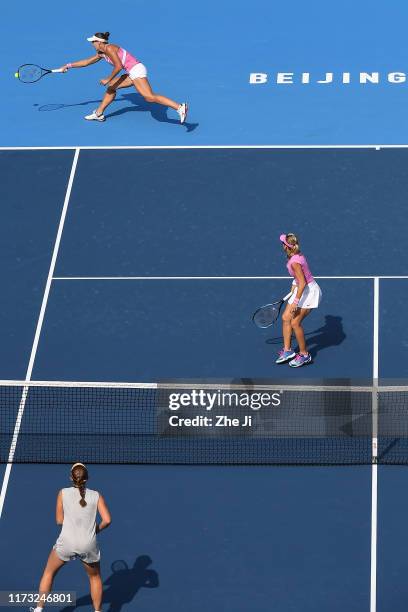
pixel 311 296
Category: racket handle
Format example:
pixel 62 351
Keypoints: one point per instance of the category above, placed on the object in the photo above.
pixel 57 70
pixel 285 299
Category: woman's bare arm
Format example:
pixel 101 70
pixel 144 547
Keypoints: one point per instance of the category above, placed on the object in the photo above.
pixel 104 514
pixel 300 278
pixel 59 511
pixel 83 63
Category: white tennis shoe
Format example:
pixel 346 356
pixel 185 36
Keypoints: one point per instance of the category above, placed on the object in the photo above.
pixel 94 117
pixel 182 112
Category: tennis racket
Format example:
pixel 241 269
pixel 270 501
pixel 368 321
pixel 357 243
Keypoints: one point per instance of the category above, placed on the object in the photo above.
pixel 31 73
pixel 267 315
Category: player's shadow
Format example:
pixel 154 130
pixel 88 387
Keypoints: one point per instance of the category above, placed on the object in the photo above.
pixel 157 111
pixel 123 584
pixel 48 108
pixel 330 334
pixel 137 103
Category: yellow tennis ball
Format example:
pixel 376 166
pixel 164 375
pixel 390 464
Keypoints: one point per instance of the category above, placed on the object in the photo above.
pixel 16 75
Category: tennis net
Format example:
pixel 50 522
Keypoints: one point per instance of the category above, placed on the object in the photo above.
pixel 203 423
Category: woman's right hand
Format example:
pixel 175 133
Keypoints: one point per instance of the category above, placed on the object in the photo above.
pixel 64 68
pixel 293 309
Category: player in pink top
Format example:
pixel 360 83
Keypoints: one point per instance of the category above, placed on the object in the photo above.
pixel 135 75
pixel 305 295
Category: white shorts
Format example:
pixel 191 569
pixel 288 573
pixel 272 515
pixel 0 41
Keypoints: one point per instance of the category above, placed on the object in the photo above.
pixel 67 552
pixel 138 72
pixel 311 296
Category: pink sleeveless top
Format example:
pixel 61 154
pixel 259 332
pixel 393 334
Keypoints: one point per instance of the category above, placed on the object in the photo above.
pixel 300 259
pixel 126 59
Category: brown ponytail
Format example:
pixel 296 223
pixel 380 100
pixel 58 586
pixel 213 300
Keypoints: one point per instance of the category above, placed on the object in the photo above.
pixel 79 476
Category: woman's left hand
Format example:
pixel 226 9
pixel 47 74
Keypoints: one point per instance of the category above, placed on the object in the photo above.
pixel 104 82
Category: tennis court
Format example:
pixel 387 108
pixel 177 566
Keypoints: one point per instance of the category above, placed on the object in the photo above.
pixel 123 302
pixel 136 251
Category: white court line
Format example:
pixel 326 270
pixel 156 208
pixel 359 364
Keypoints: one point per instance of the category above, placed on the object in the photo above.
pixel 376 332
pixel 374 467
pixel 160 147
pixel 147 278
pixel 40 321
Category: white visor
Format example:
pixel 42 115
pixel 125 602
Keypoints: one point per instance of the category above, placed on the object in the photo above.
pixel 96 39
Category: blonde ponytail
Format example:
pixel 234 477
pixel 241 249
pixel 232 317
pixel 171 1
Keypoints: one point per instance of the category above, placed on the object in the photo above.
pixel 292 240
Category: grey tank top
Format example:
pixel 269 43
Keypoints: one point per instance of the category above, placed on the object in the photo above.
pixel 78 528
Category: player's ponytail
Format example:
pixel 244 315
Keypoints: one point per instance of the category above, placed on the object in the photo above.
pixel 292 240
pixel 79 477
pixel 103 35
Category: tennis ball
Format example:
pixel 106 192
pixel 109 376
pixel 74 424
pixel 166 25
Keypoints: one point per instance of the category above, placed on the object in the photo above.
pixel 16 75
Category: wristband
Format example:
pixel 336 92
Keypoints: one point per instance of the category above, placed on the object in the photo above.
pixel 69 65
pixel 296 301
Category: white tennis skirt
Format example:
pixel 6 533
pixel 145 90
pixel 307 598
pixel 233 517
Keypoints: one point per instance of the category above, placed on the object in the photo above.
pixel 139 71
pixel 311 296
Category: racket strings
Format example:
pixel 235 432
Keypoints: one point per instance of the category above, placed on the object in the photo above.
pixel 267 315
pixel 30 73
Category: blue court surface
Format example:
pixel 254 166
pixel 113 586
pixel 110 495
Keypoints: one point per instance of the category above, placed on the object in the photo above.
pixel 154 275
pixel 322 73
